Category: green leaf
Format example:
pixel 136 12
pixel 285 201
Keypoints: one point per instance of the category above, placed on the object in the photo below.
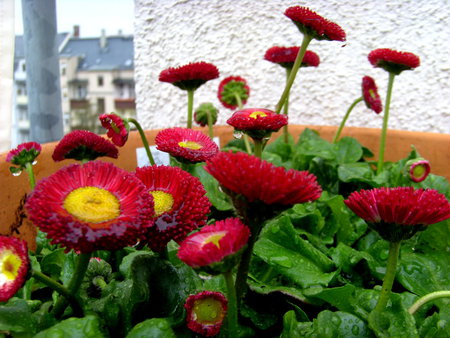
pixel 155 328
pixel 15 317
pixel 348 150
pixel 394 321
pixel 218 199
pixel 435 326
pixel 356 172
pixel 281 148
pixel 52 263
pixel 87 327
pixel 68 267
pixel 282 248
pixel 311 144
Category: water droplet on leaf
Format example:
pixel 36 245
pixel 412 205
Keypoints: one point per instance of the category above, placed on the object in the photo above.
pixel 282 261
pixel 237 134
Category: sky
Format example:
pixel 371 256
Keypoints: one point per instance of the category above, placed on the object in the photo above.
pixel 91 15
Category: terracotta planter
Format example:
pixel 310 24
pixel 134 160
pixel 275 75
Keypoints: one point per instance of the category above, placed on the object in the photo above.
pixel 432 146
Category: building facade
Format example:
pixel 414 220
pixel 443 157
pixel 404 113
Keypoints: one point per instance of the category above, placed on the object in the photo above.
pixel 96 77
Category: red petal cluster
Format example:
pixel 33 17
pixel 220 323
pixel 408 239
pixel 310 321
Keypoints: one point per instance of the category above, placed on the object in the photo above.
pixel 392 60
pixel 201 249
pixel 83 145
pixel 370 94
pixel 401 206
pixel 250 119
pixel 169 140
pixel 18 248
pixel 24 153
pixel 46 207
pixel 257 179
pixel 311 23
pixel 190 204
pixel 285 56
pixel 231 85
pixel 190 76
pixel 198 305
pixel 117 130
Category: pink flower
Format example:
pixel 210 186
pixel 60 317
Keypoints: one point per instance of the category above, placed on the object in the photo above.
pixel 190 76
pixel 186 144
pixel 117 128
pixel 311 23
pixel 370 94
pixel 393 61
pixel 285 57
pixel 205 312
pixel 418 169
pixel 229 88
pixel 24 153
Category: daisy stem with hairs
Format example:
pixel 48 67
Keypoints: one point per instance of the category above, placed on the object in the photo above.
pixel 258 147
pixel 385 123
pixel 144 140
pixel 30 172
pixel 388 280
pixel 428 298
pixel 298 62
pixel 245 136
pixel 210 124
pixel 190 93
pixel 74 283
pixel 286 108
pixel 344 120
pixel 232 313
pixel 74 301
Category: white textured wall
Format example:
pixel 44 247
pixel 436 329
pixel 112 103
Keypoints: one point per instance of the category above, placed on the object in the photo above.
pixel 234 35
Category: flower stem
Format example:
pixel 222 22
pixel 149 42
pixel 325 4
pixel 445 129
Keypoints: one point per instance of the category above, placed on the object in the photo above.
pixel 74 283
pixel 244 265
pixel 245 136
pixel 190 93
pixel 232 314
pixel 286 108
pixel 388 281
pixel 385 123
pixel 31 177
pixel 210 124
pixel 74 301
pixel 144 140
pixel 298 62
pixel 347 114
pixel 428 298
pixel 238 100
pixel 258 147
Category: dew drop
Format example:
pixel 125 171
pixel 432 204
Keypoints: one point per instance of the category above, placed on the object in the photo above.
pixel 34 162
pixel 17 173
pixel 237 134
pixel 336 320
pixel 384 254
pixel 282 261
pixel 355 330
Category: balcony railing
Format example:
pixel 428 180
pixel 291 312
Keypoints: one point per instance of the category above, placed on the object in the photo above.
pixel 79 104
pixel 124 104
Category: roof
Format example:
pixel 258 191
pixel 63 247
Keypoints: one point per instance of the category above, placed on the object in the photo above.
pixel 117 54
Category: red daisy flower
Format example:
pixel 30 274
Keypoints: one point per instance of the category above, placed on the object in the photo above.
pixel 24 153
pixel 180 204
pixel 229 88
pixel 186 144
pixel 418 169
pixel 205 312
pixel 94 206
pixel 311 23
pixel 257 122
pixel 370 94
pixel 190 76
pixel 118 129
pixel 397 213
pixel 285 57
pixel 83 145
pixel 257 179
pixel 393 61
pixel 215 246
pixel 14 263
pixel 201 114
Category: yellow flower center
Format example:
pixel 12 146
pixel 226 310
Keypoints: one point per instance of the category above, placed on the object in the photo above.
pixel 92 205
pixel 257 114
pixel 208 311
pixel 163 201
pixel 418 171
pixel 190 144
pixel 9 266
pixel 214 238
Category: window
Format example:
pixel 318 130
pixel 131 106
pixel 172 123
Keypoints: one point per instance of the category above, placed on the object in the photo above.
pixel 101 105
pixel 63 69
pixel 100 81
pixel 81 92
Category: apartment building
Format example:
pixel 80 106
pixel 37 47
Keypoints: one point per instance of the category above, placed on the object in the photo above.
pixel 96 75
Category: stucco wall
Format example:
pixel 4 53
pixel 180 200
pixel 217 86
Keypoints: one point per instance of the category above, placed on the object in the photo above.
pixel 234 35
